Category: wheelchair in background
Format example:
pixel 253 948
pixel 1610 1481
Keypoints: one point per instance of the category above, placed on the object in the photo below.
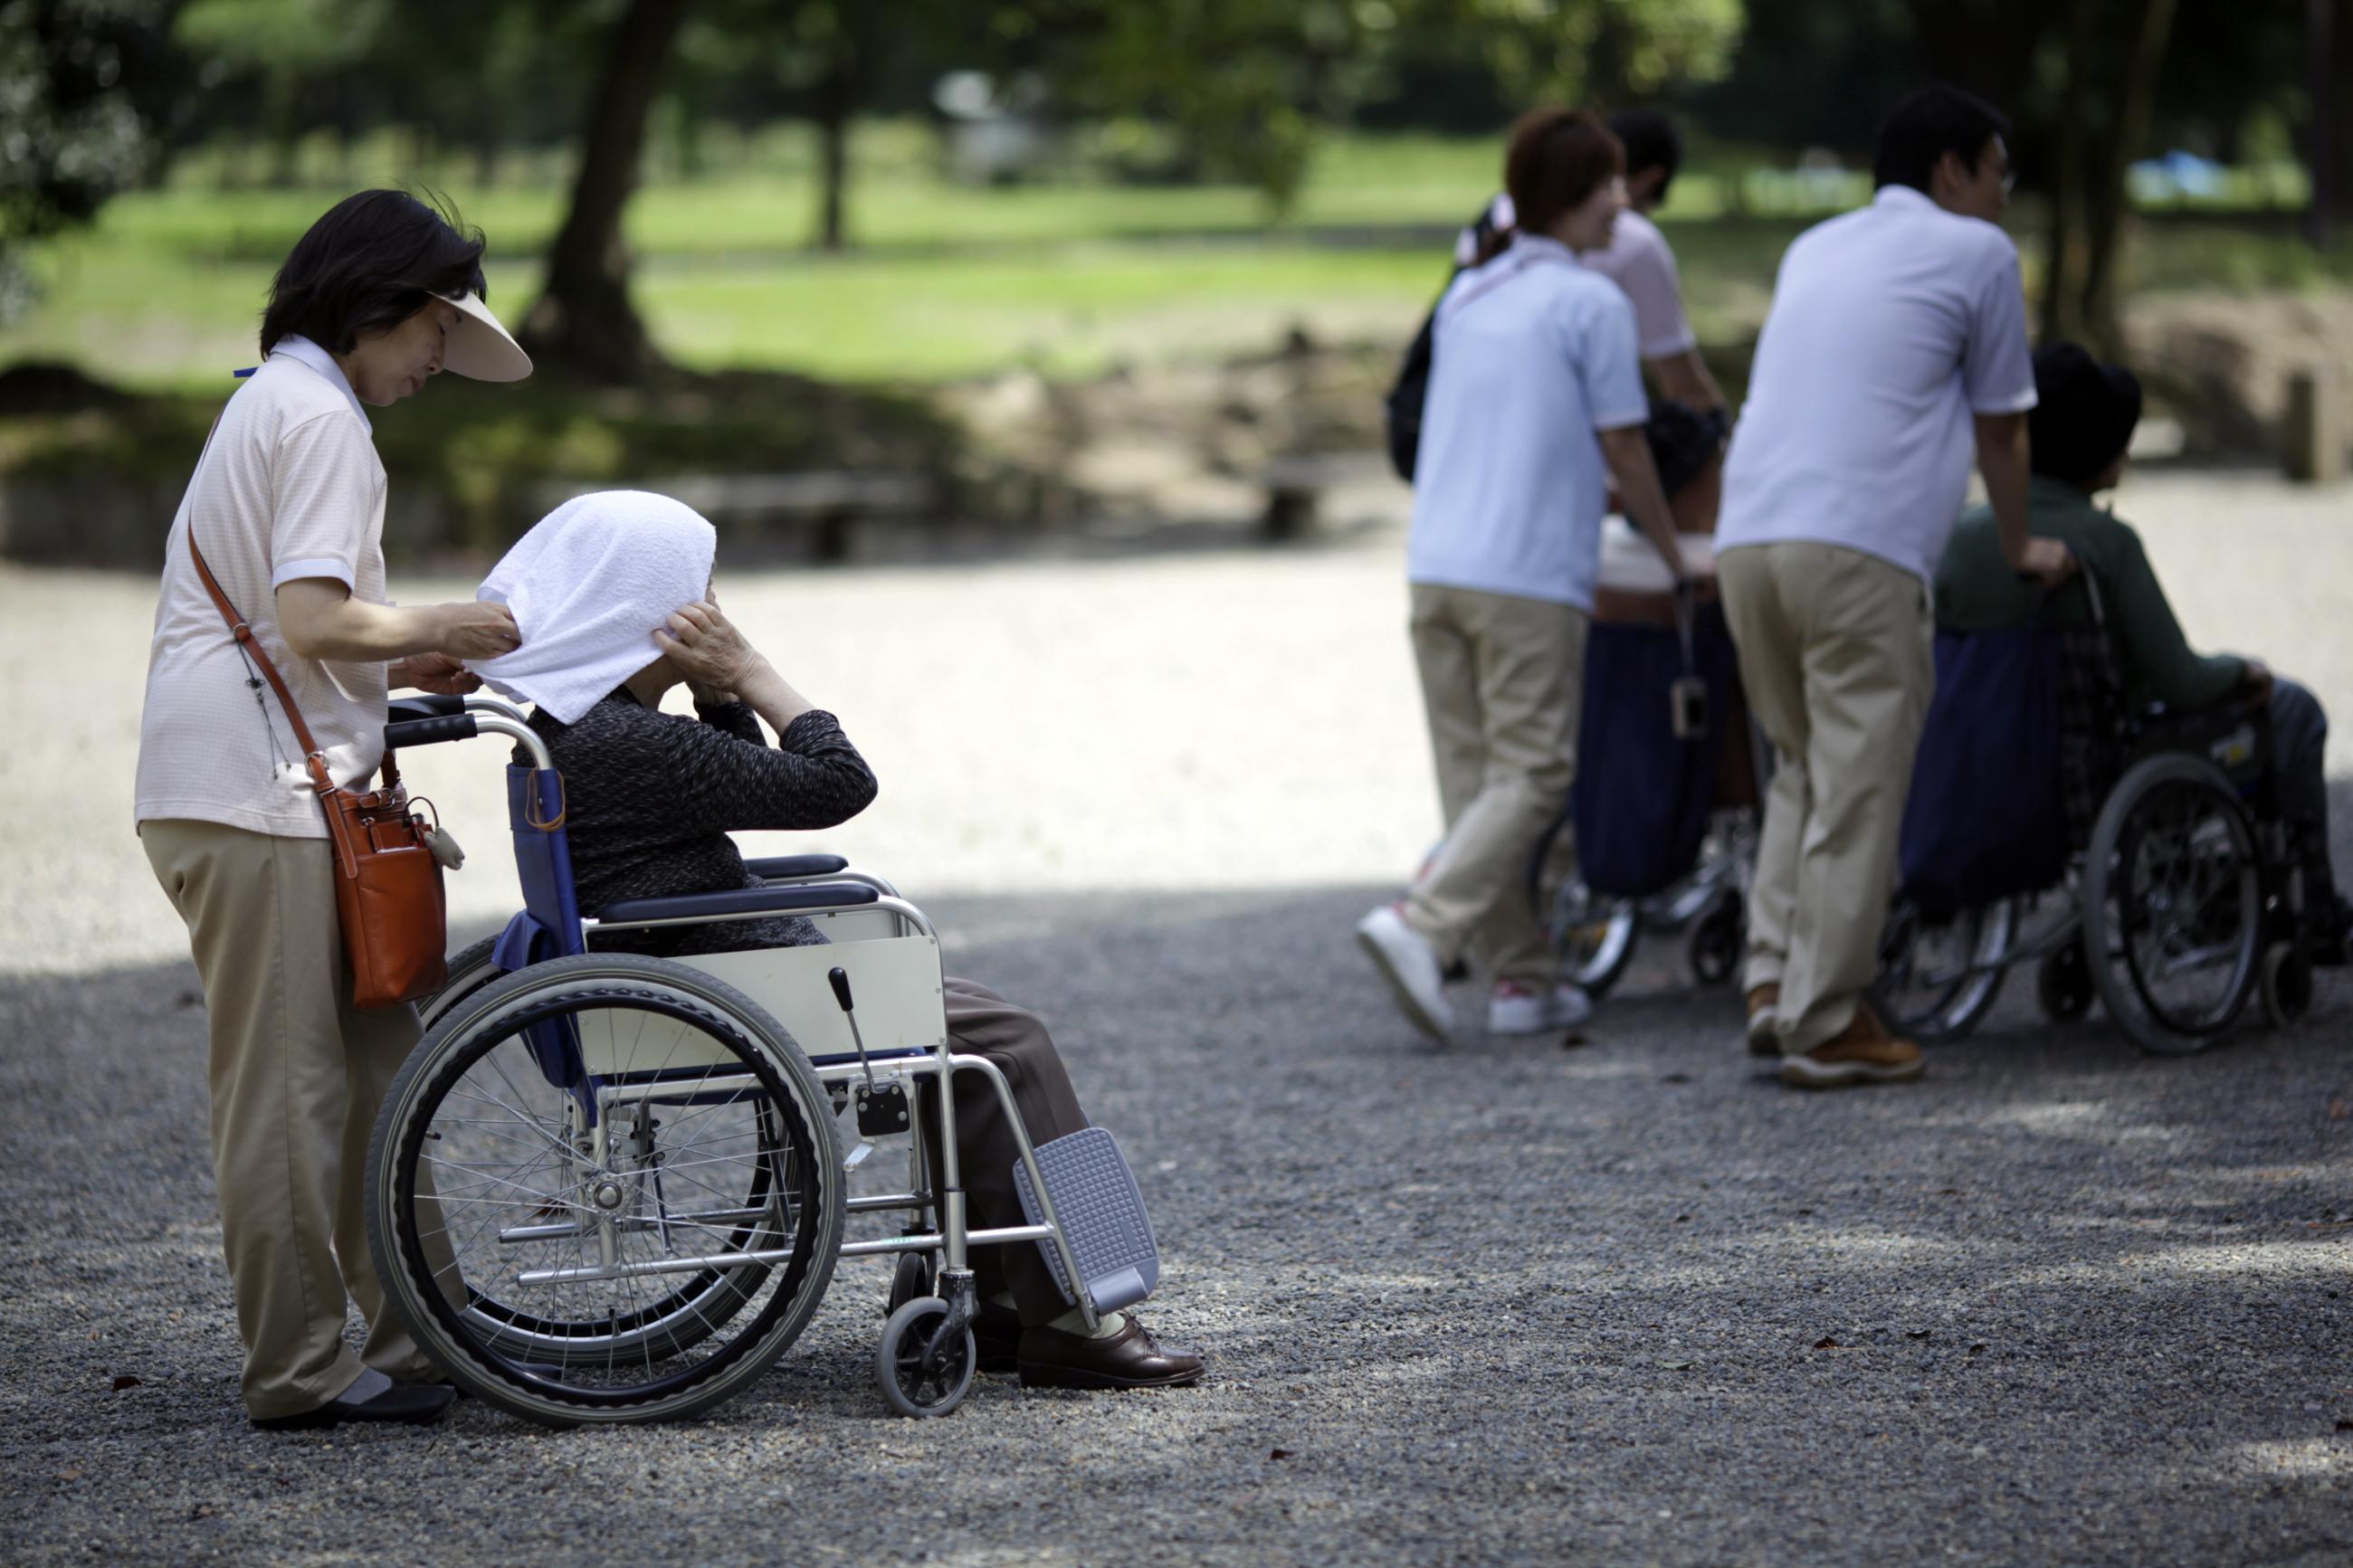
pixel 2138 859
pixel 607 1187
pixel 1665 812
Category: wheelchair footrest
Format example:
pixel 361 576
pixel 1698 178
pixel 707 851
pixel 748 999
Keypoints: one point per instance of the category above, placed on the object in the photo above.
pixel 1101 1214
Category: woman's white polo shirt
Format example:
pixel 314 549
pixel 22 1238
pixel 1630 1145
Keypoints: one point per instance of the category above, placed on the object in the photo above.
pixel 1532 356
pixel 290 487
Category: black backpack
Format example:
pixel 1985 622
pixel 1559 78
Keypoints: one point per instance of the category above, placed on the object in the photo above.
pixel 1402 406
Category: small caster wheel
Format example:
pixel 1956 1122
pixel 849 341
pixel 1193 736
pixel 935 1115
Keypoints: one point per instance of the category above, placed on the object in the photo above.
pixel 2287 984
pixel 1716 938
pixel 919 1378
pixel 911 1277
pixel 2062 984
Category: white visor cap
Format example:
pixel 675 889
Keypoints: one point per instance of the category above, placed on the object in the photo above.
pixel 479 348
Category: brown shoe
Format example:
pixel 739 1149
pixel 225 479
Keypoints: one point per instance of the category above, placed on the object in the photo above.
pixel 1131 1358
pixel 1762 1000
pixel 1863 1052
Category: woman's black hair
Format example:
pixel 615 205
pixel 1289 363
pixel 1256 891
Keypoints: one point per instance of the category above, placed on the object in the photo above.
pixel 368 265
pixel 1651 143
pixel 1923 126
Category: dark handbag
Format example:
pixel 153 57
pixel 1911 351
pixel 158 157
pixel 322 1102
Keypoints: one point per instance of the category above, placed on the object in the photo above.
pixel 389 887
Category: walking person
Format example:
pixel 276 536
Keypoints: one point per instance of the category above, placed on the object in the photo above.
pixel 1896 344
pixel 1534 409
pixel 1641 262
pixel 286 510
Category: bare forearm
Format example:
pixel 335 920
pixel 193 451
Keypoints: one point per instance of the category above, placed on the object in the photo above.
pixel 771 696
pixel 1685 377
pixel 1637 481
pixel 349 631
pixel 2004 459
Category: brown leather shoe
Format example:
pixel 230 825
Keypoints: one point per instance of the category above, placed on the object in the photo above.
pixel 1863 1052
pixel 1131 1358
pixel 1762 1000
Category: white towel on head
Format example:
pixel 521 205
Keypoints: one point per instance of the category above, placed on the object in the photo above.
pixel 588 585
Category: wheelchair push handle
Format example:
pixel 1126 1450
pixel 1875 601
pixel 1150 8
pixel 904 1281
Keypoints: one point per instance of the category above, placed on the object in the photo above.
pixel 428 732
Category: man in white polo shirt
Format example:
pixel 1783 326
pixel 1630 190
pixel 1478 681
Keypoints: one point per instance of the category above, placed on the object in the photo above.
pixel 1896 344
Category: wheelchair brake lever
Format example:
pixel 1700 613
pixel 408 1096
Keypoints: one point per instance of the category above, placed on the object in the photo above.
pixel 883 1108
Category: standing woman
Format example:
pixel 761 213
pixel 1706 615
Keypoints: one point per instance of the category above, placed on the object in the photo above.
pixel 286 507
pixel 1535 412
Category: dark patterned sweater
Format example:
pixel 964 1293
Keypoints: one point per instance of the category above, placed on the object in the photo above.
pixel 651 796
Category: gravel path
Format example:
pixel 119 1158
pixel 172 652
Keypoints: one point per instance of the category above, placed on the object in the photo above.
pixel 1503 1301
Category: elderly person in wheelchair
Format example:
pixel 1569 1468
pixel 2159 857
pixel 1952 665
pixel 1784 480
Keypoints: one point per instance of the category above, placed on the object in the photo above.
pixel 640 1196
pixel 2080 429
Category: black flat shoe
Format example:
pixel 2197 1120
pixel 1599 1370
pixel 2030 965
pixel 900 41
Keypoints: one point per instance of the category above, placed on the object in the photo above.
pixel 1131 1358
pixel 414 1404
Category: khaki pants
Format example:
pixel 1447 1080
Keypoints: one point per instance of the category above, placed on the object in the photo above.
pixel 296 1075
pixel 1837 654
pixel 1502 682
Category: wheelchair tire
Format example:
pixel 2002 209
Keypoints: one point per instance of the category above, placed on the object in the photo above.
pixel 911 1278
pixel 469 971
pixel 2287 984
pixel 1596 936
pixel 920 1379
pixel 1718 938
pixel 1937 980
pixel 2063 984
pixel 2173 882
pixel 640 1319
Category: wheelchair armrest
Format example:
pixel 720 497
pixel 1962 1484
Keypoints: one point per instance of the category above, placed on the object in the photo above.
pixel 734 903
pixel 792 868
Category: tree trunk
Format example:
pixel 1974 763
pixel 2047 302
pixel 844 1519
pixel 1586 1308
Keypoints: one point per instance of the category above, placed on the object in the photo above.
pixel 2144 62
pixel 584 318
pixel 2065 247
pixel 837 101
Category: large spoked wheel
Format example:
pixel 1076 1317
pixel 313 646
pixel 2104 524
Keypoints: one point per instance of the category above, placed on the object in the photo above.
pixel 676 1322
pixel 2173 904
pixel 606 1189
pixel 1937 979
pixel 924 1371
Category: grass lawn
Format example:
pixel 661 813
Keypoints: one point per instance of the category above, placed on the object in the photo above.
pixel 947 281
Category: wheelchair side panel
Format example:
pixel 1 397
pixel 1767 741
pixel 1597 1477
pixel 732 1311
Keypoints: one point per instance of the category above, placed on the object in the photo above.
pixel 895 982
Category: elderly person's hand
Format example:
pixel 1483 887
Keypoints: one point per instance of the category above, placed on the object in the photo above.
pixel 705 647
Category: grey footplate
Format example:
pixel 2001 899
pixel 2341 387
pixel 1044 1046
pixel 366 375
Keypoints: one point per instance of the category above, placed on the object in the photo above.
pixel 1101 1213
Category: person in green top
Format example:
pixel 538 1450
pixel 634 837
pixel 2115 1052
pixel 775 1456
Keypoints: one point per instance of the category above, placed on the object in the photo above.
pixel 2080 427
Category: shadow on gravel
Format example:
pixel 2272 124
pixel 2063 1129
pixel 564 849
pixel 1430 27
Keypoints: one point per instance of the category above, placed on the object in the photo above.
pixel 1499 1300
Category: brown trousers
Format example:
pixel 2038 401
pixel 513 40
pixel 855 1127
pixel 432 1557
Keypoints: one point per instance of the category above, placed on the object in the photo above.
pixel 296 1075
pixel 983 1023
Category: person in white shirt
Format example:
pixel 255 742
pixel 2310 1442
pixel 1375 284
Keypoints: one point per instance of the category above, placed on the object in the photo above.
pixel 1896 345
pixel 287 508
pixel 1638 259
pixel 1534 409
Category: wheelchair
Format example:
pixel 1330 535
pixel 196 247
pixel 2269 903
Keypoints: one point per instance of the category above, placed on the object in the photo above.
pixel 2153 872
pixel 607 1187
pixel 1666 808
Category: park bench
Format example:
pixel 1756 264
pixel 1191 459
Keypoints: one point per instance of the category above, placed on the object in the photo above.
pixel 1295 483
pixel 827 502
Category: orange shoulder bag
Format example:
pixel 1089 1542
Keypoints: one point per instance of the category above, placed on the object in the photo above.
pixel 388 883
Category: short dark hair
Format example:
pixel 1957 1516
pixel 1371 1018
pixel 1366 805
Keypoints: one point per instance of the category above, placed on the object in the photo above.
pixel 1558 158
pixel 1651 141
pixel 1923 126
pixel 368 264
pixel 2083 413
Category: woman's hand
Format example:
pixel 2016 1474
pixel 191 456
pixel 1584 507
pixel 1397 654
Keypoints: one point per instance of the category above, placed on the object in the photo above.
pixel 435 672
pixel 477 630
pixel 707 649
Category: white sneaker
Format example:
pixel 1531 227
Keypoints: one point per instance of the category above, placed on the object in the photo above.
pixel 1409 965
pixel 1516 1010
